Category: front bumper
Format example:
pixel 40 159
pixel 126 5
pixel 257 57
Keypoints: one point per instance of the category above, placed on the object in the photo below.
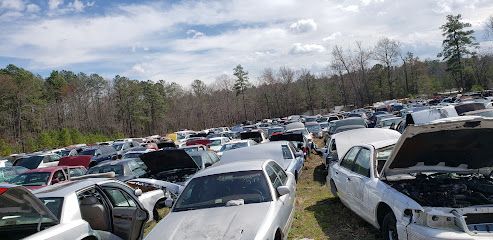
pixel 418 232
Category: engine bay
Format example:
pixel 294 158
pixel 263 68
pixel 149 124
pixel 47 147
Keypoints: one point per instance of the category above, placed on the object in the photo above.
pixel 447 189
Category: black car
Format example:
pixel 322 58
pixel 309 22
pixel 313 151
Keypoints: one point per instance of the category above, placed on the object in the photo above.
pixel 174 165
pixel 100 153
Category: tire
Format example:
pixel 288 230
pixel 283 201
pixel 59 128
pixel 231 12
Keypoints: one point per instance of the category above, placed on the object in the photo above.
pixel 155 214
pixel 333 188
pixel 389 227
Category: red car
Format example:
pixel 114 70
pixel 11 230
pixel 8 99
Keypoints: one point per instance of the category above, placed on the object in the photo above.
pixel 82 160
pixel 41 177
pixel 198 141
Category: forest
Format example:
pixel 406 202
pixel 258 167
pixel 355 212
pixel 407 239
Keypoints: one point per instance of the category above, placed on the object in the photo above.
pixel 67 107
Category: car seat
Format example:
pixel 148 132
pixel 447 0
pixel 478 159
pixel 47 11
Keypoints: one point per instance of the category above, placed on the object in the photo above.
pixel 95 213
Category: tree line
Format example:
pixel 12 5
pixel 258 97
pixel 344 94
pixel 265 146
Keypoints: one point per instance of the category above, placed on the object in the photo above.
pixel 68 107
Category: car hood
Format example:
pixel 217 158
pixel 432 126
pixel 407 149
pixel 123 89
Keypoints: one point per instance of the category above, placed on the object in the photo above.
pixel 235 222
pixel 169 159
pixel 447 146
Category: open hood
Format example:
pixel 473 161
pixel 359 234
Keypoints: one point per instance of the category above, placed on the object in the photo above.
pixel 168 159
pixel 448 146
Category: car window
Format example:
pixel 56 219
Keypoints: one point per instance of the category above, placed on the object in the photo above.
pixel 286 153
pixel 214 157
pixel 347 161
pixel 55 157
pixel 46 159
pixel 59 175
pixel 362 163
pixel 119 198
pixel 274 178
pixel 280 173
pixel 76 172
pixel 207 159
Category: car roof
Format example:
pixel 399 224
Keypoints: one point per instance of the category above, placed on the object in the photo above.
pixel 312 123
pixel 47 169
pixel 238 166
pixel 66 188
pixel 115 162
pixel 217 138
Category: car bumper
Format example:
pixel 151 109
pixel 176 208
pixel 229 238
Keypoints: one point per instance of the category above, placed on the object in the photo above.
pixel 418 232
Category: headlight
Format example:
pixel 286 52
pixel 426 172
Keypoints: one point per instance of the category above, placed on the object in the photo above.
pixel 438 220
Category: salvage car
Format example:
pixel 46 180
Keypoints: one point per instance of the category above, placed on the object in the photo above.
pixel 124 170
pixel 171 165
pixel 235 144
pixel 283 152
pixel 7 173
pixel 241 200
pixel 34 161
pixel 41 177
pixel 434 183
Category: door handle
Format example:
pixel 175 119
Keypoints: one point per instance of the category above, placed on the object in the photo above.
pixel 337 172
pixel 349 179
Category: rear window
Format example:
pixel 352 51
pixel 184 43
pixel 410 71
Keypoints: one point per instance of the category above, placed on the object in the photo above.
pixel 117 169
pixel 20 212
pixel 31 179
pixel 90 152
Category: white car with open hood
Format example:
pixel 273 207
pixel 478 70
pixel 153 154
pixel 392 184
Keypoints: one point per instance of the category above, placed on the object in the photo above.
pixel 434 183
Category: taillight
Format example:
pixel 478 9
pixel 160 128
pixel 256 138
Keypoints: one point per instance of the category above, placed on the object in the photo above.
pixel 305 150
pixel 2 190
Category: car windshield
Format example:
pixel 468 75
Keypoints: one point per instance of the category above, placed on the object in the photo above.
pixel 64 153
pixel 132 155
pixel 217 190
pixel 18 210
pixel 31 179
pixel 485 114
pixel 117 169
pixel 216 142
pixel 231 146
pixel 29 162
pixel 90 152
pixel 313 128
pixel 118 146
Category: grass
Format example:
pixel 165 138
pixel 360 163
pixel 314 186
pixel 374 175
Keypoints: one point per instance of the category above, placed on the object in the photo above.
pixel 319 215
pixel 150 225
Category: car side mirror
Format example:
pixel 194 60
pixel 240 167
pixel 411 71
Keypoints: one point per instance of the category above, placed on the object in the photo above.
pixel 168 202
pixel 323 150
pixel 299 154
pixel 119 156
pixel 138 192
pixel 283 190
pixel 114 157
pixel 207 165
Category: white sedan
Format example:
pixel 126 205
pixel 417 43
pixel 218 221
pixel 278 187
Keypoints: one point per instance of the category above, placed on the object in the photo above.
pixel 434 183
pixel 241 200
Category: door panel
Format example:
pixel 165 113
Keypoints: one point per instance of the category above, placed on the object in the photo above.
pixel 128 217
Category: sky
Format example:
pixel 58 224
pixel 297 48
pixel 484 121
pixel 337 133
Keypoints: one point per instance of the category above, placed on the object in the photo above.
pixel 179 41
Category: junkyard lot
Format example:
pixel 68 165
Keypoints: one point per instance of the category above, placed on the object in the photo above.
pixel 319 215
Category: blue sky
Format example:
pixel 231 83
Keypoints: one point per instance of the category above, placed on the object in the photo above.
pixel 185 40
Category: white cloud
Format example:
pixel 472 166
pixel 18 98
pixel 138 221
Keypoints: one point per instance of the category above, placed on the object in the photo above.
pixel 303 26
pixel 32 8
pixel 54 4
pixel 349 8
pixel 195 34
pixel 77 5
pixel 17 5
pixel 332 36
pixel 299 48
pixel 254 33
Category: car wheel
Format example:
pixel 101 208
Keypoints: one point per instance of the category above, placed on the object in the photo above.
pixel 155 214
pixel 389 228
pixel 333 188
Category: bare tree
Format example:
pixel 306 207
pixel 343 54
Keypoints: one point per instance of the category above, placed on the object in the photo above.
pixel 387 52
pixel 363 57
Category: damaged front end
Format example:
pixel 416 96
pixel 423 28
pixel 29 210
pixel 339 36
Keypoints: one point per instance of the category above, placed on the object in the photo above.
pixel 450 201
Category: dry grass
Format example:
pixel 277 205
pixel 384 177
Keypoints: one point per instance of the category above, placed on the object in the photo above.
pixel 150 225
pixel 319 215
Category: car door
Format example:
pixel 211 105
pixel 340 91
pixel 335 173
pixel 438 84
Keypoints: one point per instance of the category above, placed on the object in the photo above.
pixel 127 213
pixel 285 202
pixel 358 180
pixel 341 173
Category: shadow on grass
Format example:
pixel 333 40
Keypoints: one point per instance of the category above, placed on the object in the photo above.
pixel 319 174
pixel 339 223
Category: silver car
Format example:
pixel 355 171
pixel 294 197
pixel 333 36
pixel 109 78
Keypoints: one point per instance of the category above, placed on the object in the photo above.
pixel 240 200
